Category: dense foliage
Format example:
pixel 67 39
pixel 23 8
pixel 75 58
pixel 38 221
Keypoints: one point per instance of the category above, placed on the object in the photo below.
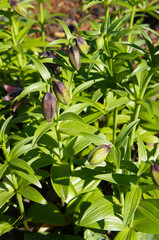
pixel 79 123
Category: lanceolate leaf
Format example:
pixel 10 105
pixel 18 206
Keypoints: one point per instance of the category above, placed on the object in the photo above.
pixel 100 209
pixel 41 68
pixel 20 148
pixel 126 234
pixel 3 128
pixel 142 154
pixel 39 86
pixel 146 217
pixel 31 194
pixel 3 167
pixel 131 203
pixel 47 213
pixel 60 174
pixel 65 28
pixel 43 128
pixel 124 132
pixel 22 169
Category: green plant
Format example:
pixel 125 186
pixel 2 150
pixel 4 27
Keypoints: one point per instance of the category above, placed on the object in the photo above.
pixel 107 107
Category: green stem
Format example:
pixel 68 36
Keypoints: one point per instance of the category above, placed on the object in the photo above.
pixel 130 27
pixel 58 134
pixel 107 11
pixel 22 211
pixel 13 33
pixel 114 124
pixel 70 83
pixel 41 20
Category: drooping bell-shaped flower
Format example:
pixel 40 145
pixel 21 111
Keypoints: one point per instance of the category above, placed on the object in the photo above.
pixel 74 57
pixel 48 106
pixel 98 154
pixel 13 91
pixel 18 8
pixel 61 92
pixel 82 45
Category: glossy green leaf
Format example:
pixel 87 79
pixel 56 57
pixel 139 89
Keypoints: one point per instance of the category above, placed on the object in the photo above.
pixel 116 103
pixel 75 145
pixel 3 128
pixel 96 139
pixel 3 167
pixel 146 217
pixel 60 174
pixel 124 132
pixel 20 147
pixel 72 116
pixel 99 209
pixel 47 213
pixel 65 28
pixel 72 127
pixel 83 181
pixel 43 128
pixel 39 86
pixel 6 224
pixel 22 169
pixel 140 68
pixel 5 196
pixel 77 108
pixel 146 236
pixel 121 179
pixel 22 34
pixel 41 68
pixel 112 223
pixel 142 154
pixel 85 85
pixel 126 234
pixel 32 194
pixel 131 203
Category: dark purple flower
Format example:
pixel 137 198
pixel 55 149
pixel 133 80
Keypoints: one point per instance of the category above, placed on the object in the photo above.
pixel 13 91
pixel 48 106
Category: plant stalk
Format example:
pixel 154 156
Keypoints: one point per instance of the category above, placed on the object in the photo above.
pixel 13 34
pixel 130 27
pixel 41 19
pixel 114 124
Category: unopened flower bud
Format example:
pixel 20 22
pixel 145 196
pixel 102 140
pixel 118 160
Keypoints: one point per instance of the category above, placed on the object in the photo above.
pixel 82 45
pixel 18 8
pixel 98 154
pixel 48 106
pixel 155 173
pixel 61 92
pixel 74 57
pixel 99 43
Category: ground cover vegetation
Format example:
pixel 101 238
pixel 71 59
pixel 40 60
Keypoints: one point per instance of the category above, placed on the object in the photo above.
pixel 79 124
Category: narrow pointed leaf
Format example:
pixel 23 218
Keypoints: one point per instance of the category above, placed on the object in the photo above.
pixel 142 154
pixel 60 174
pixel 98 210
pixel 4 126
pixel 126 234
pixel 32 194
pixel 43 128
pixel 41 68
pixel 131 203
pixel 39 86
pixel 65 28
pixel 47 213
pixel 123 134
